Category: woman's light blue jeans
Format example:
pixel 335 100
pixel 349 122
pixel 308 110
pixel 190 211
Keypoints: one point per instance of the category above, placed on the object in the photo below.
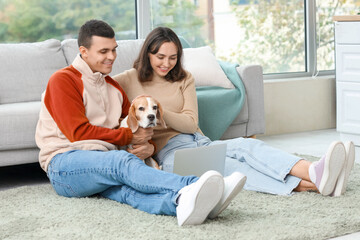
pixel 117 175
pixel 266 168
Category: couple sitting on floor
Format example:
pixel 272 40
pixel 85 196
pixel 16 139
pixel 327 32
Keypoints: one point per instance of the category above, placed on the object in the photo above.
pixel 78 135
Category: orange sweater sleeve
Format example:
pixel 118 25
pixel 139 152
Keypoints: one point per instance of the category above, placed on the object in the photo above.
pixel 64 101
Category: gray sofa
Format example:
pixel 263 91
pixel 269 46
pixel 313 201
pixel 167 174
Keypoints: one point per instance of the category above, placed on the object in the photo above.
pixel 26 67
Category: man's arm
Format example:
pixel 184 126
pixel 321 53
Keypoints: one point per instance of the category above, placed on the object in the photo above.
pixel 64 101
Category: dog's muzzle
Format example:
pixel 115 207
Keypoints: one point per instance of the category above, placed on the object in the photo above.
pixel 151 118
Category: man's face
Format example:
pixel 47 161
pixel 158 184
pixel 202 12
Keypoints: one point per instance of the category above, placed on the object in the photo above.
pixel 101 54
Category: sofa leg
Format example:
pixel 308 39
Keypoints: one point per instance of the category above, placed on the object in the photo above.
pixel 252 136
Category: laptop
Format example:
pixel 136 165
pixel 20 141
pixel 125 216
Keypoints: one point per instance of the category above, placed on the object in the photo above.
pixel 196 161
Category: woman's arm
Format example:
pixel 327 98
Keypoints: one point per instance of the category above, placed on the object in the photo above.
pixel 187 120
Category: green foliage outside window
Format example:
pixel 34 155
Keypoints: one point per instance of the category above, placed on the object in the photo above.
pixel 181 17
pixel 37 20
pixel 274 33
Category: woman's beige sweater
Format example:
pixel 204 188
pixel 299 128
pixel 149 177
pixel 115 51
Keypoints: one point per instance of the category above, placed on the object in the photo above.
pixel 178 100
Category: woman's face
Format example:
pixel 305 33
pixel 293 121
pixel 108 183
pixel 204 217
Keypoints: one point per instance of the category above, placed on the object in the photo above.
pixel 165 59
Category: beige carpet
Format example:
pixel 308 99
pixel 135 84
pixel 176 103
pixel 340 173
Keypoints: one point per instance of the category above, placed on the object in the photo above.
pixel 36 212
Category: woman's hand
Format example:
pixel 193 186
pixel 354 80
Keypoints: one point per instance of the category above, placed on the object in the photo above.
pixel 142 151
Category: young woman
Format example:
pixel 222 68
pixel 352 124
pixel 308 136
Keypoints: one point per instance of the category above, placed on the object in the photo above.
pixel 158 72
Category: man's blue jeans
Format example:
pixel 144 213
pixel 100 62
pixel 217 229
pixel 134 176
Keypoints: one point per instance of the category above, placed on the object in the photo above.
pixel 117 175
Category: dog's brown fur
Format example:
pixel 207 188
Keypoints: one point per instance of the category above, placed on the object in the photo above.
pixel 139 116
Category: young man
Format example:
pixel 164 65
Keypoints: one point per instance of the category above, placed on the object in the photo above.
pixel 78 137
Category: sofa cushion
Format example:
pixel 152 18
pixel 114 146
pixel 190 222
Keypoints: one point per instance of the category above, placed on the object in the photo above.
pixel 200 62
pixel 18 123
pixel 127 51
pixel 26 68
pixel 70 49
pixel 204 67
pixel 19 156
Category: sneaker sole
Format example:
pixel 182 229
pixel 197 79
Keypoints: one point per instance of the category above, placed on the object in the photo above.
pixel 233 193
pixel 206 199
pixel 335 158
pixel 341 184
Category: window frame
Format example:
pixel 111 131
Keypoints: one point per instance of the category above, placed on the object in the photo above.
pixel 143 27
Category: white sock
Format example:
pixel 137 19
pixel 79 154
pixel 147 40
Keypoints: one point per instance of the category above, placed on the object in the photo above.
pixel 312 173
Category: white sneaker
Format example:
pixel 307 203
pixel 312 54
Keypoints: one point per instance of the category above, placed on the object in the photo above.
pixel 233 185
pixel 325 172
pixel 341 183
pixel 198 199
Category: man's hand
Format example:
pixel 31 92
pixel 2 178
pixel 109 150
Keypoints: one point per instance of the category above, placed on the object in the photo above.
pixel 142 136
pixel 142 151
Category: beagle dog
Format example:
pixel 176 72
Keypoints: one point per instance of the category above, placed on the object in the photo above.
pixel 145 112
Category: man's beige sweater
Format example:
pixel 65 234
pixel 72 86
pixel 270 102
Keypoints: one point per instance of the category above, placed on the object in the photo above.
pixel 80 110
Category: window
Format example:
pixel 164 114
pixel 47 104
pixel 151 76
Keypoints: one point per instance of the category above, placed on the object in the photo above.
pixel 291 38
pixel 270 33
pixel 37 20
pixel 325 37
pixel 186 18
pixel 294 38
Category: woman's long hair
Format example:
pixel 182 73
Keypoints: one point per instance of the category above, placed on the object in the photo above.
pixel 152 44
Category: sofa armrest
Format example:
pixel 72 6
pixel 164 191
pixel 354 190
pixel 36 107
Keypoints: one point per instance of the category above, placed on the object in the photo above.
pixel 252 77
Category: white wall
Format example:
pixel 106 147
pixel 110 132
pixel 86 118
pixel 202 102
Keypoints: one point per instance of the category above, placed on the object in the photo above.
pixel 298 105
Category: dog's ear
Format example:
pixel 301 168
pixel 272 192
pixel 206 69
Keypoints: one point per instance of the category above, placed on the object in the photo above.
pixel 160 114
pixel 132 121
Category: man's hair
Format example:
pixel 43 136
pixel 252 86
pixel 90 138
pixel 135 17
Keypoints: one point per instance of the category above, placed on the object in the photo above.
pixel 94 28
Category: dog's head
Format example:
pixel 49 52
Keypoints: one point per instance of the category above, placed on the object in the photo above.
pixel 145 111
